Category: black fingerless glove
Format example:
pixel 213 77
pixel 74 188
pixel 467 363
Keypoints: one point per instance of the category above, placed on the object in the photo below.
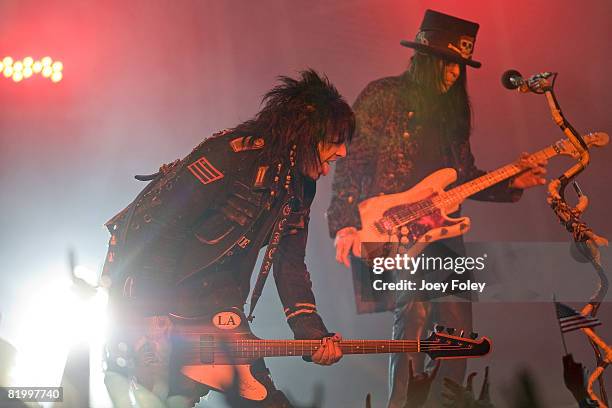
pixel 308 327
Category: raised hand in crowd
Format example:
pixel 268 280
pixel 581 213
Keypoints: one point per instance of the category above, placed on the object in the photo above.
pixel 419 385
pixel 575 377
pixel 458 396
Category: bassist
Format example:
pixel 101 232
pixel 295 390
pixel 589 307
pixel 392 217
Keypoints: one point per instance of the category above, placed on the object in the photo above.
pixel 188 243
pixel 409 126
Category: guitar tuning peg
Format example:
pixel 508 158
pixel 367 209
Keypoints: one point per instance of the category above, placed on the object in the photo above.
pixel 450 330
pixel 473 335
pixel 438 328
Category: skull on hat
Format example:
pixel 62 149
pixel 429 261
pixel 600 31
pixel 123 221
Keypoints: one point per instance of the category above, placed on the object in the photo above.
pixel 421 38
pixel 466 45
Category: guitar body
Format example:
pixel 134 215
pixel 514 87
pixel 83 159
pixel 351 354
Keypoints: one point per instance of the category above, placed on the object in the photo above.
pixel 379 215
pixel 202 346
pixel 221 378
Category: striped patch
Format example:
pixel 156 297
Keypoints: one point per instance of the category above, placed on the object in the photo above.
pixel 204 171
pixel 300 308
pixel 261 175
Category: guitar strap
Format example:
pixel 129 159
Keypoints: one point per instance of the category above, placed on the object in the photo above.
pixel 275 238
pixel 268 260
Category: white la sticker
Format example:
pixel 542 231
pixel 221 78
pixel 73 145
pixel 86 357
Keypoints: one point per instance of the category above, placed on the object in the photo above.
pixel 226 320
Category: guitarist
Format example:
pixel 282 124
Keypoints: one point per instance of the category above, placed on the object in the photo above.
pixel 408 126
pixel 188 243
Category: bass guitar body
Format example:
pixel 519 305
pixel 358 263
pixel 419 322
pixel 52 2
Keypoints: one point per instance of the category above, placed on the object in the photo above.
pixel 413 218
pixel 218 351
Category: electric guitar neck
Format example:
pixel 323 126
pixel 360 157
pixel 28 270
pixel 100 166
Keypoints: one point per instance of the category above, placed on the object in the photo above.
pixel 562 147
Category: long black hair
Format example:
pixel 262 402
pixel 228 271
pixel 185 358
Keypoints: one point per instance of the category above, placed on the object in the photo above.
pixel 451 110
pixel 302 112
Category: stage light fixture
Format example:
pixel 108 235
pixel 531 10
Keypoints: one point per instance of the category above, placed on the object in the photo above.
pixel 37 67
pixel 19 70
pixel 27 72
pixel 56 76
pixel 47 71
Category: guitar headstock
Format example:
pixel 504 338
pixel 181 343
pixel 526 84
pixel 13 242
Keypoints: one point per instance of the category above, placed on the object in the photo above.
pixel 595 139
pixel 445 344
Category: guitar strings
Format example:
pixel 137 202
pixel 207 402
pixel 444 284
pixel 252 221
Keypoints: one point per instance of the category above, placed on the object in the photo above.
pixel 454 194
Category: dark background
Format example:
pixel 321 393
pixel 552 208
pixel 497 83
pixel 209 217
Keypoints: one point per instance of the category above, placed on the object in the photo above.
pixel 145 81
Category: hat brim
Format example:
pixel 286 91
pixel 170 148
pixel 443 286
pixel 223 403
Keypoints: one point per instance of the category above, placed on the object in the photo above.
pixel 447 55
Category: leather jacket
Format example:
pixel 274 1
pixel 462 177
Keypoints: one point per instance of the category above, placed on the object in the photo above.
pixel 201 223
pixel 392 150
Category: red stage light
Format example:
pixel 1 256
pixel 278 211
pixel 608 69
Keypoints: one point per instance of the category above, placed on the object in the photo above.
pixel 56 76
pixel 47 71
pixel 23 69
pixel 37 67
pixel 27 72
pixel 8 71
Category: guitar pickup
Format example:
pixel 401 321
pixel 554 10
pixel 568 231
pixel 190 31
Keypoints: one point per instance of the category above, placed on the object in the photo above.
pixel 207 349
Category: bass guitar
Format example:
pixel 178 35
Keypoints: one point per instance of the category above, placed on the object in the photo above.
pixel 218 350
pixel 414 218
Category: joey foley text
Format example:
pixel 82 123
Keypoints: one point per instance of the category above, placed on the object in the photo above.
pixel 422 263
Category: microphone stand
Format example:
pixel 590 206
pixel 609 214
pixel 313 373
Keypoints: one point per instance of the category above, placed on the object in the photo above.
pixel 586 240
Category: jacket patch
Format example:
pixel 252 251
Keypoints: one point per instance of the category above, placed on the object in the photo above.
pixel 243 242
pixel 242 143
pixel 204 171
pixel 261 176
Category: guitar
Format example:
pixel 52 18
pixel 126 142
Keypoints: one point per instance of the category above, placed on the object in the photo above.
pixel 218 351
pixel 418 216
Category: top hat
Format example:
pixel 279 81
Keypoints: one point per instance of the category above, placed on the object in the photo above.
pixel 447 37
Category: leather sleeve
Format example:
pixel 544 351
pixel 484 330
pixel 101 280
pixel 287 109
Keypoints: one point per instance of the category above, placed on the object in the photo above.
pixel 293 280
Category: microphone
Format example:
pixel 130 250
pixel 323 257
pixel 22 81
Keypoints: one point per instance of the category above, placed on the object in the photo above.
pixel 512 79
